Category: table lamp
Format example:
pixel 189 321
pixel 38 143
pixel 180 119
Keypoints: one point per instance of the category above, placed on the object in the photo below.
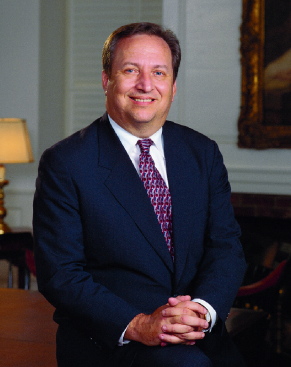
pixel 14 148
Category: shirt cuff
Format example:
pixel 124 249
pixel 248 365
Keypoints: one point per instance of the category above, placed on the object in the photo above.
pixel 211 314
pixel 121 340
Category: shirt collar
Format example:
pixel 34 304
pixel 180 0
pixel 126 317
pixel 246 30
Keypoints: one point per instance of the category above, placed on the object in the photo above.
pixel 129 141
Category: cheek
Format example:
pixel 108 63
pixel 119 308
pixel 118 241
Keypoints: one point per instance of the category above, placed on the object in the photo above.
pixel 165 89
pixel 125 84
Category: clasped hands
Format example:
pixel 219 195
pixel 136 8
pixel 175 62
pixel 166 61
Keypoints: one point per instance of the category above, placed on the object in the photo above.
pixel 180 321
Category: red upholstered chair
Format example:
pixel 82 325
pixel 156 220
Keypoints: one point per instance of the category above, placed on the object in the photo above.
pixel 271 280
pixel 263 294
pixel 255 321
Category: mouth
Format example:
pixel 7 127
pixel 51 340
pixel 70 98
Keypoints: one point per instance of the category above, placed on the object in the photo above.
pixel 142 100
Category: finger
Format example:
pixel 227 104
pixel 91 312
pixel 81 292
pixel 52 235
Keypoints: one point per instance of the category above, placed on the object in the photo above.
pixel 194 321
pixel 190 337
pixel 194 306
pixel 176 311
pixel 179 339
pixel 190 343
pixel 170 339
pixel 180 310
pixel 174 324
pixel 177 329
pixel 173 301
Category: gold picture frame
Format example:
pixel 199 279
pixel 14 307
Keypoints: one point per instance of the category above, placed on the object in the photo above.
pixel 257 128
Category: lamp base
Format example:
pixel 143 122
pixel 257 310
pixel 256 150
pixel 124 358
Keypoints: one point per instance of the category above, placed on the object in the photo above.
pixel 4 228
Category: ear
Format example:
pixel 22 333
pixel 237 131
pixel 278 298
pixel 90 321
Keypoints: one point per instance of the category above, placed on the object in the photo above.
pixel 105 80
pixel 174 90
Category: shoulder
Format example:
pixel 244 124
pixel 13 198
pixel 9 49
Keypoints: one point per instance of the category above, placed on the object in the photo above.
pixel 189 136
pixel 81 143
pixel 192 146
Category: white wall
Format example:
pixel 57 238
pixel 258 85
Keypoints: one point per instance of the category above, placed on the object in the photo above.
pixel 208 96
pixel 19 94
pixel 209 91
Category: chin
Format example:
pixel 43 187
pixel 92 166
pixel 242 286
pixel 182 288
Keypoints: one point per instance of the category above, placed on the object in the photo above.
pixel 143 118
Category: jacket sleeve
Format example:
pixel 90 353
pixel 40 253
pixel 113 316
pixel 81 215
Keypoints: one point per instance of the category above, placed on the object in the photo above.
pixel 223 264
pixel 61 258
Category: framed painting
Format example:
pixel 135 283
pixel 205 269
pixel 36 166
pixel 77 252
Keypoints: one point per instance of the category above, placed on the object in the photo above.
pixel 265 116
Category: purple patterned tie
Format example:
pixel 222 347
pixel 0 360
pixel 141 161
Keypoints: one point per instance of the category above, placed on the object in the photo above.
pixel 157 191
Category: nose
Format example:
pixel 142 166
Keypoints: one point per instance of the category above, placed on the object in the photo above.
pixel 144 82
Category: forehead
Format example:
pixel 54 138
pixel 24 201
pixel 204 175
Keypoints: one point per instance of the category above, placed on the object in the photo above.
pixel 143 46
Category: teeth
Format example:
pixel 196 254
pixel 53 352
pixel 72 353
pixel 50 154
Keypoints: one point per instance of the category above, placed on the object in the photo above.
pixel 142 100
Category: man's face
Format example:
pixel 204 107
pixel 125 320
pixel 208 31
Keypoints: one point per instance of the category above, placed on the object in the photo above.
pixel 141 88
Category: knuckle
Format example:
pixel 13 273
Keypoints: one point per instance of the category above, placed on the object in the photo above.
pixel 187 311
pixel 184 319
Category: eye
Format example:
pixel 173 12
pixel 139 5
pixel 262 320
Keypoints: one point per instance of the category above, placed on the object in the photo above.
pixel 159 73
pixel 130 71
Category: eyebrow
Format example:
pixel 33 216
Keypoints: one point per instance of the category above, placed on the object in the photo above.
pixel 158 66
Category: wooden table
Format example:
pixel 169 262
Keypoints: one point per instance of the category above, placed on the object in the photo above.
pixel 27 331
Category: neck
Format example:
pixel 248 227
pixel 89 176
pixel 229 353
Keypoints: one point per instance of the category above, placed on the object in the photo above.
pixel 141 130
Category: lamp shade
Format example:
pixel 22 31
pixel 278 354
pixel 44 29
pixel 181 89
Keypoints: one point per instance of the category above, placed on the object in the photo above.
pixel 14 141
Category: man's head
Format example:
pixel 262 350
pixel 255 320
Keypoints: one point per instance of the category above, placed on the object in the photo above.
pixel 139 76
pixel 132 29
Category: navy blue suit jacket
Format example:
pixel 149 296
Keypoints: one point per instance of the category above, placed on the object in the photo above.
pixel 100 254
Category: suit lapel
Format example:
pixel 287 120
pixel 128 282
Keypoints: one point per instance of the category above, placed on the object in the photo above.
pixel 127 188
pixel 182 184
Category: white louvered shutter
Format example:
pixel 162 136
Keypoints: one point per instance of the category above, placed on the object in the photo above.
pixel 89 24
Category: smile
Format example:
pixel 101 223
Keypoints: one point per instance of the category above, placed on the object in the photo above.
pixel 143 99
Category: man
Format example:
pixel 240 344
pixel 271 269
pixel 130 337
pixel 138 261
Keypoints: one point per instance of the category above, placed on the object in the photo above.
pixel 138 277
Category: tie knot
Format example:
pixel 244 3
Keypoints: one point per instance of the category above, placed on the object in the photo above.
pixel 144 145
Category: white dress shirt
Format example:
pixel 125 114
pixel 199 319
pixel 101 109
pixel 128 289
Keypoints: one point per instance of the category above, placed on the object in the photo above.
pixel 129 142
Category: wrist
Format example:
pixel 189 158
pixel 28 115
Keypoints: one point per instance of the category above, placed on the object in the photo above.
pixel 134 329
pixel 210 310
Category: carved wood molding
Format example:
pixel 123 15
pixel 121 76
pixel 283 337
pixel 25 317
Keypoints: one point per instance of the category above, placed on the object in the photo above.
pixel 253 133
